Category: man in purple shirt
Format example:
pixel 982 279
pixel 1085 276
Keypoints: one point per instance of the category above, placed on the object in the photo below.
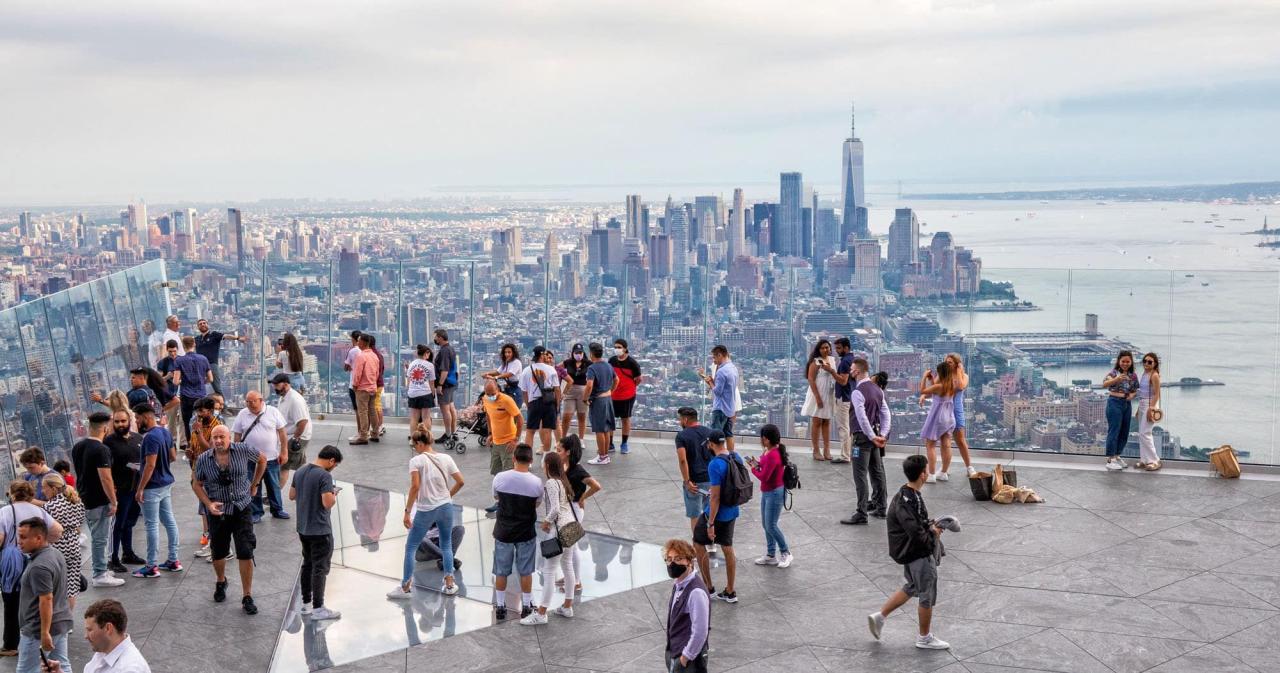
pixel 688 613
pixel 869 420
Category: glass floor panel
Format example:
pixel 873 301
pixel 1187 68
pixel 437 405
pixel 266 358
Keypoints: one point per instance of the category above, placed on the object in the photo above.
pixel 369 539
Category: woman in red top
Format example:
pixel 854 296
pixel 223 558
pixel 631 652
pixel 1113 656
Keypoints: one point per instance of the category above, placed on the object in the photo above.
pixel 768 469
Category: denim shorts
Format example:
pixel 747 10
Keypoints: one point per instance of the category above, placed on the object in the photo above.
pixel 721 422
pixel 695 503
pixel 521 554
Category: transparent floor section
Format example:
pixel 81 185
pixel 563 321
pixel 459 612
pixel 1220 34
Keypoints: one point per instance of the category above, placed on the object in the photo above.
pixel 369 539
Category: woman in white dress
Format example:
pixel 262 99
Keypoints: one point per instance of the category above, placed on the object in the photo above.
pixel 820 400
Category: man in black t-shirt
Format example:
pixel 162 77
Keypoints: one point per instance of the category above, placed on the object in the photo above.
pixel 126 456
pixel 691 450
pixel 92 460
pixel 209 344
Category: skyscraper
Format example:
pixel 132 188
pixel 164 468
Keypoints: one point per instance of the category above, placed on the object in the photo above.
pixel 507 248
pixel 866 264
pixel 678 227
pixel 853 194
pixel 788 231
pixel 349 271
pixel 634 207
pixel 904 239
pixel 709 212
pixel 138 221
pixel 24 224
pixel 551 254
pixel 233 238
pixel 737 238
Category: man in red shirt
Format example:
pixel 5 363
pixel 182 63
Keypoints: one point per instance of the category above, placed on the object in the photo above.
pixel 366 376
pixel 624 394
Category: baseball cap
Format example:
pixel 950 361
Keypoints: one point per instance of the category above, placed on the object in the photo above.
pixel 577 348
pixel 280 378
pixel 716 436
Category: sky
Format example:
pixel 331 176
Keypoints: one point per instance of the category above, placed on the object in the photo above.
pixel 231 100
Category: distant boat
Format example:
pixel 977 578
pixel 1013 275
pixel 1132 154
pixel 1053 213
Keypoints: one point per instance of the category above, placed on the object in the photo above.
pixel 1188 221
pixel 1219 226
pixel 1191 275
pixel 1204 284
pixel 1190 379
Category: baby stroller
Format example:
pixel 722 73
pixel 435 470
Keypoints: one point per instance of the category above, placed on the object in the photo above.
pixel 471 421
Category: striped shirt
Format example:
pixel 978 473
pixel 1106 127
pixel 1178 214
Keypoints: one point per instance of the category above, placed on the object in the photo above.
pixel 229 486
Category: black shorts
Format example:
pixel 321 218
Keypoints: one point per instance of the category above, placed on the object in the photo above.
pixel 724 532
pixel 622 408
pixel 427 401
pixel 541 415
pixel 237 525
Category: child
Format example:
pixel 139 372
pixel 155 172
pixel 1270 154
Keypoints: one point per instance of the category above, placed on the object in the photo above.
pixel 63 468
pixel 912 540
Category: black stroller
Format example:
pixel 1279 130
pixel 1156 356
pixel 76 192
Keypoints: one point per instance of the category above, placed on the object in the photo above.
pixel 471 421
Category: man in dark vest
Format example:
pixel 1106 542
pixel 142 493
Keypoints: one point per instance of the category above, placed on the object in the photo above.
pixel 869 420
pixel 688 613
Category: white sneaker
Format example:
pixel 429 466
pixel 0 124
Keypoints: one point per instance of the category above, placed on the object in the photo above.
pixel 1113 465
pixel 400 593
pixel 231 556
pixel 875 622
pixel 567 613
pixel 106 580
pixel 598 460
pixel 711 550
pixel 305 609
pixel 785 561
pixel 325 613
pixel 943 476
pixel 203 551
pixel 766 561
pixel 535 618
pixel 931 642
pixel 1123 465
pixel 970 470
pixel 449 589
pixel 931 478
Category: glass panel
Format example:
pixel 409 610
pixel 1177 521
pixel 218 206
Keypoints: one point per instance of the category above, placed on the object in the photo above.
pixel 298 303
pixel 1222 360
pixel 48 408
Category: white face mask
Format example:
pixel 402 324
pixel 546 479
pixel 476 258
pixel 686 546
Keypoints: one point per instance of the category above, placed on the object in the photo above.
pixel 618 351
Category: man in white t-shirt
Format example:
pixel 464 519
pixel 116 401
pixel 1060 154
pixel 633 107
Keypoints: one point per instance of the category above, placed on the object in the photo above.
pixel 171 332
pixel 297 423
pixel 349 364
pixel 263 428
pixel 541 389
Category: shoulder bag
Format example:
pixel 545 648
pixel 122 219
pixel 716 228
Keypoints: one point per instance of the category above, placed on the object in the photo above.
pixel 12 562
pixel 551 546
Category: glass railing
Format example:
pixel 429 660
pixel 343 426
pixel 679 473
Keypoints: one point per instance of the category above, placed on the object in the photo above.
pixel 58 351
pixel 1036 342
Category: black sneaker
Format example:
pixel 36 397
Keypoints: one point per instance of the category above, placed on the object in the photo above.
pixel 248 605
pixel 726 596
pixel 855 520
pixel 500 612
pixel 879 514
pixel 525 610
pixel 219 592
pixel 117 567
pixel 133 560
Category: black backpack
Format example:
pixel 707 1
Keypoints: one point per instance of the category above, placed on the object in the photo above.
pixel 736 489
pixel 790 476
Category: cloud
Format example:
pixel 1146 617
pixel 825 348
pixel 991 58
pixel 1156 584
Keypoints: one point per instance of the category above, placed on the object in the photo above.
pixel 244 99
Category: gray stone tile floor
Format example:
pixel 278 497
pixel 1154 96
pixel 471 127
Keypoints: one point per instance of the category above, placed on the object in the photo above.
pixel 1118 572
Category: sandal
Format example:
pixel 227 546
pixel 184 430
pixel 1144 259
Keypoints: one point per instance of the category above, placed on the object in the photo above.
pixel 1152 467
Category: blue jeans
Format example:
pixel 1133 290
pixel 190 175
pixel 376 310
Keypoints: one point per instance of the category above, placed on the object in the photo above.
pixel 1119 413
pixel 157 508
pixel 270 481
pixel 442 518
pixel 770 511
pixel 29 654
pixel 99 524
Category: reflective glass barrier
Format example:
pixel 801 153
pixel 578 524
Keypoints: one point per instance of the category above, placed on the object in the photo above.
pixel 62 352
pixel 1036 343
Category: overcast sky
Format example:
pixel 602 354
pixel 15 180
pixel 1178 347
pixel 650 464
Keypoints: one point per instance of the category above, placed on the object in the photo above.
pixel 107 101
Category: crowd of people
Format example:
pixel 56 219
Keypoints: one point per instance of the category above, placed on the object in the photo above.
pixel 243 470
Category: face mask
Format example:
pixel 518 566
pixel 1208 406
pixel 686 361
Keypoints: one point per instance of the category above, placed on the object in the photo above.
pixel 675 570
pixel 618 351
pixel 491 398
pixel 577 356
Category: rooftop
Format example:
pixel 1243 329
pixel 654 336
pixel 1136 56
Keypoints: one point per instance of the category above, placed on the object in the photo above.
pixel 1121 572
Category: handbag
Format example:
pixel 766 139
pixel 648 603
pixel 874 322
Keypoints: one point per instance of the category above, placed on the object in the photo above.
pixel 1224 462
pixel 570 533
pixel 551 546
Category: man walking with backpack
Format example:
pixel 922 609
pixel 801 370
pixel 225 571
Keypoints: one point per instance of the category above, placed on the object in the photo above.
pixel 730 489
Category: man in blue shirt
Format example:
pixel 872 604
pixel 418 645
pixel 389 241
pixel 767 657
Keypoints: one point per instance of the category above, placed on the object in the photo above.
pixel 724 388
pixel 724 517
pixel 844 390
pixel 155 492
pixel 192 374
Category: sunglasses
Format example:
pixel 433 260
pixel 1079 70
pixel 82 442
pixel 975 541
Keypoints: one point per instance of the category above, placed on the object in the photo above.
pixel 1148 362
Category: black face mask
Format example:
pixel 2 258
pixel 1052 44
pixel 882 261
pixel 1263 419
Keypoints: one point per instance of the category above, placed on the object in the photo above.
pixel 675 570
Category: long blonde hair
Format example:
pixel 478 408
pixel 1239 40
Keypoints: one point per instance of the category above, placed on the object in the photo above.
pixel 118 401
pixel 69 492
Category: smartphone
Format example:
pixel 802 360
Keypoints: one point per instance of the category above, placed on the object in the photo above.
pixel 43 659
pixel 705 494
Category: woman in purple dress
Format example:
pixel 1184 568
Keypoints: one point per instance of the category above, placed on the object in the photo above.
pixel 941 421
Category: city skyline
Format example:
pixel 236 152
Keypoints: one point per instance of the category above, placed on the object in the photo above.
pixel 266 106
